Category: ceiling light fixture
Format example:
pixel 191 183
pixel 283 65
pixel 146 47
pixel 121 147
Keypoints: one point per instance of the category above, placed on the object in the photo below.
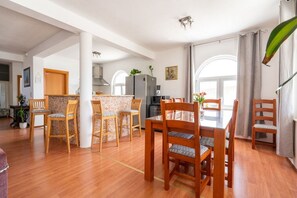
pixel 96 54
pixel 186 21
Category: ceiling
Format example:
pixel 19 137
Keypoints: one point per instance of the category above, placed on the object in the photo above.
pixel 19 33
pixel 152 24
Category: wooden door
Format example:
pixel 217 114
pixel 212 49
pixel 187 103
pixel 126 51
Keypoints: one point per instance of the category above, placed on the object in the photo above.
pixel 55 82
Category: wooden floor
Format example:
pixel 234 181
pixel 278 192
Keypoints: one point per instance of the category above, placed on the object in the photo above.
pixel 118 172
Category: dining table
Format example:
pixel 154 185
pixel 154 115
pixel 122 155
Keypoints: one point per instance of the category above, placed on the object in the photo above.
pixel 213 123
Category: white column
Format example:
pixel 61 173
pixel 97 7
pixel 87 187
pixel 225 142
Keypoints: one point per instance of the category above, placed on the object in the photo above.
pixel 85 89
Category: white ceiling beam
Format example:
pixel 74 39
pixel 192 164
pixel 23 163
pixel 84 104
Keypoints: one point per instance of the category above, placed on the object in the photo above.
pixel 54 44
pixel 53 14
pixel 11 57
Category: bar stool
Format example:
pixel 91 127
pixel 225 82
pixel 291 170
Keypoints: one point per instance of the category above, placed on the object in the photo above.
pixel 38 107
pixel 70 114
pixel 134 111
pixel 99 114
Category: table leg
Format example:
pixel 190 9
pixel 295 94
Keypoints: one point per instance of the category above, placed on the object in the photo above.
pixel 149 151
pixel 219 163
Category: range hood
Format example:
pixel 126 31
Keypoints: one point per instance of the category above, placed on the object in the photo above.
pixel 98 76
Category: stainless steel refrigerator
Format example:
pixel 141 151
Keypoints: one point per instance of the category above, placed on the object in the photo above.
pixel 142 86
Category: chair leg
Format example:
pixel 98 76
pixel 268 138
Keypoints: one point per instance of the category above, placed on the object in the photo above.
pixel 208 169
pixel 44 130
pixel 121 125
pixel 101 134
pixel 67 135
pixel 116 130
pixel 274 140
pixel 230 171
pixel 49 122
pixel 197 179
pixel 130 128
pixel 139 122
pixel 253 138
pixel 32 127
pixel 166 172
pixel 75 131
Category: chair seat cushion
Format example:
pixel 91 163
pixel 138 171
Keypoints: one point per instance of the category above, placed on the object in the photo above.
pixel 40 111
pixel 186 151
pixel 265 126
pixel 209 142
pixel 180 135
pixel 57 115
pixel 130 111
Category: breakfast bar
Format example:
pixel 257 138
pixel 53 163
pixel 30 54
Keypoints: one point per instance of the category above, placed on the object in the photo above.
pixel 111 103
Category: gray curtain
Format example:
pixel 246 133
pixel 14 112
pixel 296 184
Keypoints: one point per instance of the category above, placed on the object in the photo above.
pixel 286 100
pixel 190 73
pixel 248 79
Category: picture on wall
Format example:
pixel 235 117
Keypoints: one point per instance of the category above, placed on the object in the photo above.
pixel 171 73
pixel 26 77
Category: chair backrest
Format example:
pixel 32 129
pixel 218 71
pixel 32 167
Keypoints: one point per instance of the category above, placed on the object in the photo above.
pixel 189 124
pixel 38 104
pixel 178 99
pixel 264 110
pixel 97 107
pixel 136 104
pixel 233 121
pixel 212 104
pixel 71 109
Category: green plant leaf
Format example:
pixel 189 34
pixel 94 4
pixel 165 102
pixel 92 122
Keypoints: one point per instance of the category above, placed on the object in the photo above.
pixel 278 35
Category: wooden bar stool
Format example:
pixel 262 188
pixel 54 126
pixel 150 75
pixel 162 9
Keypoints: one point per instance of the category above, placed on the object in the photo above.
pixel 70 114
pixel 38 107
pixel 134 111
pixel 99 114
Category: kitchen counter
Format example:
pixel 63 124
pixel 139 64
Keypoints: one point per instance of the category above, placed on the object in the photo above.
pixel 58 103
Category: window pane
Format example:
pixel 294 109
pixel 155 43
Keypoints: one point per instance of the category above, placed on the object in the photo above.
pixel 210 87
pixel 120 78
pixel 117 90
pixel 222 67
pixel 229 87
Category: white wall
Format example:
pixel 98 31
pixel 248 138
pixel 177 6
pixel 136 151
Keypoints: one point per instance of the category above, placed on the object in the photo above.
pixel 172 57
pixel 65 64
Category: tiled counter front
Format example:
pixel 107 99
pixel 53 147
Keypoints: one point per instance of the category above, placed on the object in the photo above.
pixel 57 104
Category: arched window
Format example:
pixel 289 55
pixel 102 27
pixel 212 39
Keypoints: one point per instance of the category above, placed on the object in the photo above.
pixel 119 83
pixel 217 77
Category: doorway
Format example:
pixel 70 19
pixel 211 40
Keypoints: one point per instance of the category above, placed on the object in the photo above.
pixel 55 82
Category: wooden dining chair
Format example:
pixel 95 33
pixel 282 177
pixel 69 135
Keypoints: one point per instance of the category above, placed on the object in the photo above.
pixel 229 150
pixel 264 119
pixel 38 107
pixel 212 104
pixel 134 111
pixel 184 149
pixel 102 116
pixel 70 114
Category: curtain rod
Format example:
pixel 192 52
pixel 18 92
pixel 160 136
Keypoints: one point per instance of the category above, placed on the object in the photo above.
pixel 219 40
pixel 227 38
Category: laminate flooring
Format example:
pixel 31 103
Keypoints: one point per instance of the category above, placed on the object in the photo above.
pixel 118 171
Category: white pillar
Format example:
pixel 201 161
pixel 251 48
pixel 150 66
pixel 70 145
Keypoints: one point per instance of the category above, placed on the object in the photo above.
pixel 85 89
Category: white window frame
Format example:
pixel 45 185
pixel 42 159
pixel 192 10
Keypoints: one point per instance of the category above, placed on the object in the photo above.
pixel 219 79
pixel 121 85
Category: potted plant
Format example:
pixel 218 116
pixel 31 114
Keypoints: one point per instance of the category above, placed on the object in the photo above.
pixel 21 99
pixel 134 72
pixel 22 114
